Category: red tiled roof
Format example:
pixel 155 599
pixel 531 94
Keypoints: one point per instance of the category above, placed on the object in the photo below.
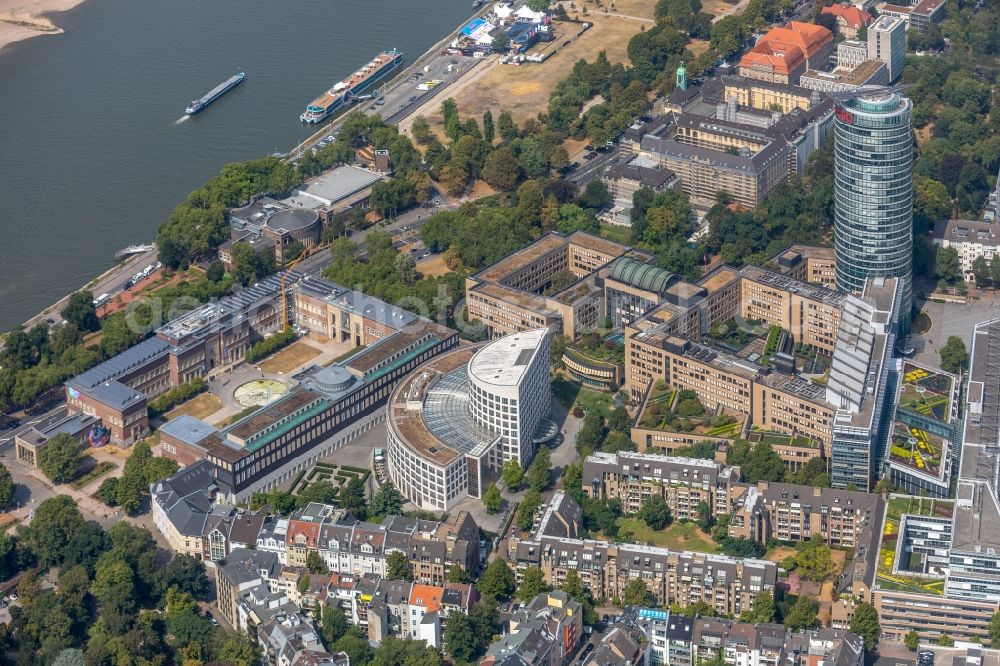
pixel 808 37
pixel 854 17
pixel 781 58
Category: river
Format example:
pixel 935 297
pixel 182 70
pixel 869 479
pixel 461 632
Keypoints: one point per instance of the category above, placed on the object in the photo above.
pixel 92 157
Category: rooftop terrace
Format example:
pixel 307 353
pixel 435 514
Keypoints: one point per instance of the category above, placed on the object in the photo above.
pixel 441 429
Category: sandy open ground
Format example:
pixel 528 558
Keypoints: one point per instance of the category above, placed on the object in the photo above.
pixel 24 19
pixel 524 90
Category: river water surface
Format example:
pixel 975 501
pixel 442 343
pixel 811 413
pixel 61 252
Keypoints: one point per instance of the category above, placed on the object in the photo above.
pixel 91 155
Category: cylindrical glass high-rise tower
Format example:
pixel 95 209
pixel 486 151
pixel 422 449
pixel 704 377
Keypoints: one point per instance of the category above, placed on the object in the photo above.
pixel 873 176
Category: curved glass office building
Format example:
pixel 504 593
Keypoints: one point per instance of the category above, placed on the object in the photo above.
pixel 874 192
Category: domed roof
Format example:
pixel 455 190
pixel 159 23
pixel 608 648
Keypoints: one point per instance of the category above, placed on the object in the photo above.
pixel 334 379
pixel 642 276
pixel 292 219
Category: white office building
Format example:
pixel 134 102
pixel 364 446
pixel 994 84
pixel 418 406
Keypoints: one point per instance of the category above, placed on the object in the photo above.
pixel 454 422
pixel 887 42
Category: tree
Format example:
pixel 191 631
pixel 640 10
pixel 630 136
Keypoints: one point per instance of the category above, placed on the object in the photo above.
pixel 453 179
pixel 352 495
pixel 866 625
pixel 387 501
pixel 315 563
pixel 321 492
pixel 506 127
pixel 655 512
pixel 187 574
pixel 6 487
pixel 954 357
pixel 637 593
pixel 501 42
pixel 216 271
pixel 491 499
pixel 239 649
pixel 132 484
pixel 994 630
pixel 117 335
pixel 944 640
pixel 114 588
pixel 762 463
pixel 80 311
pixel 489 130
pixel 60 458
pixel 456 574
pixel 537 5
pixel 538 472
pixel 802 614
pixel 497 580
pixel 981 270
pixel 762 609
pixel 69 657
pixel 912 641
pixel 595 195
pixel 532 584
pixel 704 512
pixel 420 129
pixel 159 468
pixel 813 559
pixel 397 567
pixel 526 511
pixel 741 547
pixel 946 264
pixel 502 169
pixel 512 475
pixel 461 639
pixel 333 626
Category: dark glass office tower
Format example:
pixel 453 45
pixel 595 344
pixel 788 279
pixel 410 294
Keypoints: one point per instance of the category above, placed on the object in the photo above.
pixel 874 193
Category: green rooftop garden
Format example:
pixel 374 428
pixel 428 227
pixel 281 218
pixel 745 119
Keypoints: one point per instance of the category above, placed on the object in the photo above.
pixel 896 508
pixel 737 332
pixel 597 348
pixel 681 411
pixel 926 392
pixel 782 439
pixel 916 448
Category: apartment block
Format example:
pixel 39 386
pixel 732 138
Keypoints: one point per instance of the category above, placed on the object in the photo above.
pixel 760 511
pixel 790 512
pixel 546 631
pixel 727 584
pixel 349 546
pixel 684 483
pixel 971 239
pixel 681 640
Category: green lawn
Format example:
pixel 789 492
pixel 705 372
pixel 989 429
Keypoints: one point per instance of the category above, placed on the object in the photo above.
pixel 616 233
pixel 570 393
pixel 679 536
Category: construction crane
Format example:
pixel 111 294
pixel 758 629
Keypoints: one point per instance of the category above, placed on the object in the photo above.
pixel 284 277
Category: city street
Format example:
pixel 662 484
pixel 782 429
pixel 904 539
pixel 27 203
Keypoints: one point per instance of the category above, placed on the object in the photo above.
pixel 589 170
pixel 40 422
